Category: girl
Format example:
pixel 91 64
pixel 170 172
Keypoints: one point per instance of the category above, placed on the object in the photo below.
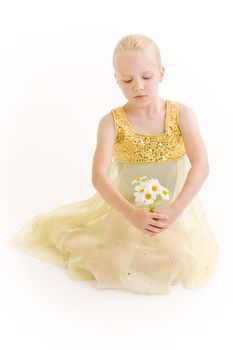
pixel 108 238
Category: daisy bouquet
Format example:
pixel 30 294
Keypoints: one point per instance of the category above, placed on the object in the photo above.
pixel 149 191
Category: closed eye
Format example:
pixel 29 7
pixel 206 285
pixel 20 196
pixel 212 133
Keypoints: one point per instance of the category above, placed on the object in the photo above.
pixel 128 81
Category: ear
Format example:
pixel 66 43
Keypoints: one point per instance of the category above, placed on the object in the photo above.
pixel 116 78
pixel 161 73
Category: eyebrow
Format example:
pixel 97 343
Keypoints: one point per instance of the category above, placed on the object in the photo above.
pixel 127 75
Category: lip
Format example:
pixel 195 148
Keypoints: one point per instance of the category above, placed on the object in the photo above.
pixel 140 96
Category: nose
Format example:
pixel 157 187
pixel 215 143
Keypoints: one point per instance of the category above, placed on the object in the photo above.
pixel 138 85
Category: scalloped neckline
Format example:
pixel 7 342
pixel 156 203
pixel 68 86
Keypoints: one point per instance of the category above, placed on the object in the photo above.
pixel 144 134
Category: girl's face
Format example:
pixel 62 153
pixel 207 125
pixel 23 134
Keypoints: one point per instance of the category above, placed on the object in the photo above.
pixel 138 73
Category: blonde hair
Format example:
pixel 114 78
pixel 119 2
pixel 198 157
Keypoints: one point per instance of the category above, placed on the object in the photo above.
pixel 136 42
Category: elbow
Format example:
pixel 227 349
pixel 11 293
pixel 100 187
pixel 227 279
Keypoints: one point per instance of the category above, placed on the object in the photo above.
pixel 202 169
pixel 95 178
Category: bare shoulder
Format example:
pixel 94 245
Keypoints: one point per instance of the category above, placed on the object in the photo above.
pixel 107 121
pixel 187 117
pixel 194 144
pixel 104 146
pixel 106 127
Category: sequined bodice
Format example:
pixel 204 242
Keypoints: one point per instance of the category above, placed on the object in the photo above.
pixel 134 147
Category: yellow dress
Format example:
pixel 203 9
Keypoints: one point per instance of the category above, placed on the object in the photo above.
pixel 93 241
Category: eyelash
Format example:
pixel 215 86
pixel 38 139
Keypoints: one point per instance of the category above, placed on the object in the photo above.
pixel 128 81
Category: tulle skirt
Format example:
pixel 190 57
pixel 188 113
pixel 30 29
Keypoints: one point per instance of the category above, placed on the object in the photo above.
pixel 93 241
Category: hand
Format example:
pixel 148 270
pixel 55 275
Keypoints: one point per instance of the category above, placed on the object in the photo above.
pixel 171 212
pixel 150 223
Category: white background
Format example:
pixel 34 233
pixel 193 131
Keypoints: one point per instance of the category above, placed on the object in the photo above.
pixel 56 82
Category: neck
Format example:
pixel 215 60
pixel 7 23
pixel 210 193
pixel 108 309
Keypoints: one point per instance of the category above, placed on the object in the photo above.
pixel 154 108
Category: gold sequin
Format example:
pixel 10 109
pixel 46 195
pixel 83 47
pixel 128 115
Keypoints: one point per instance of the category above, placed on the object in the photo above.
pixel 133 147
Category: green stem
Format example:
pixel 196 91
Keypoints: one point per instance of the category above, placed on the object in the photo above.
pixel 152 207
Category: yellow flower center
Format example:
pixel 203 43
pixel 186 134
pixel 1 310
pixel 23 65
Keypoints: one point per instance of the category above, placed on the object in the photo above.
pixel 148 196
pixel 141 190
pixel 165 192
pixel 154 188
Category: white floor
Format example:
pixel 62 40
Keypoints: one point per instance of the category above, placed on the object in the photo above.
pixel 42 308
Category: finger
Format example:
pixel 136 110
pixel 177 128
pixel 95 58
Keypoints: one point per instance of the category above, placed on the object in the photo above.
pixel 157 223
pixel 153 228
pixel 159 216
pixel 155 233
pixel 149 233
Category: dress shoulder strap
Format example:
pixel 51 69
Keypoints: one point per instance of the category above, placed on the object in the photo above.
pixel 119 122
pixel 173 115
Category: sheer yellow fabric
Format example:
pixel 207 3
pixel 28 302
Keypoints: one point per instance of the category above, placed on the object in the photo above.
pixel 94 242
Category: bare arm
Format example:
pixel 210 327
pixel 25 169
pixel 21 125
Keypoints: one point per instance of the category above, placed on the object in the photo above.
pixel 197 155
pixel 101 164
